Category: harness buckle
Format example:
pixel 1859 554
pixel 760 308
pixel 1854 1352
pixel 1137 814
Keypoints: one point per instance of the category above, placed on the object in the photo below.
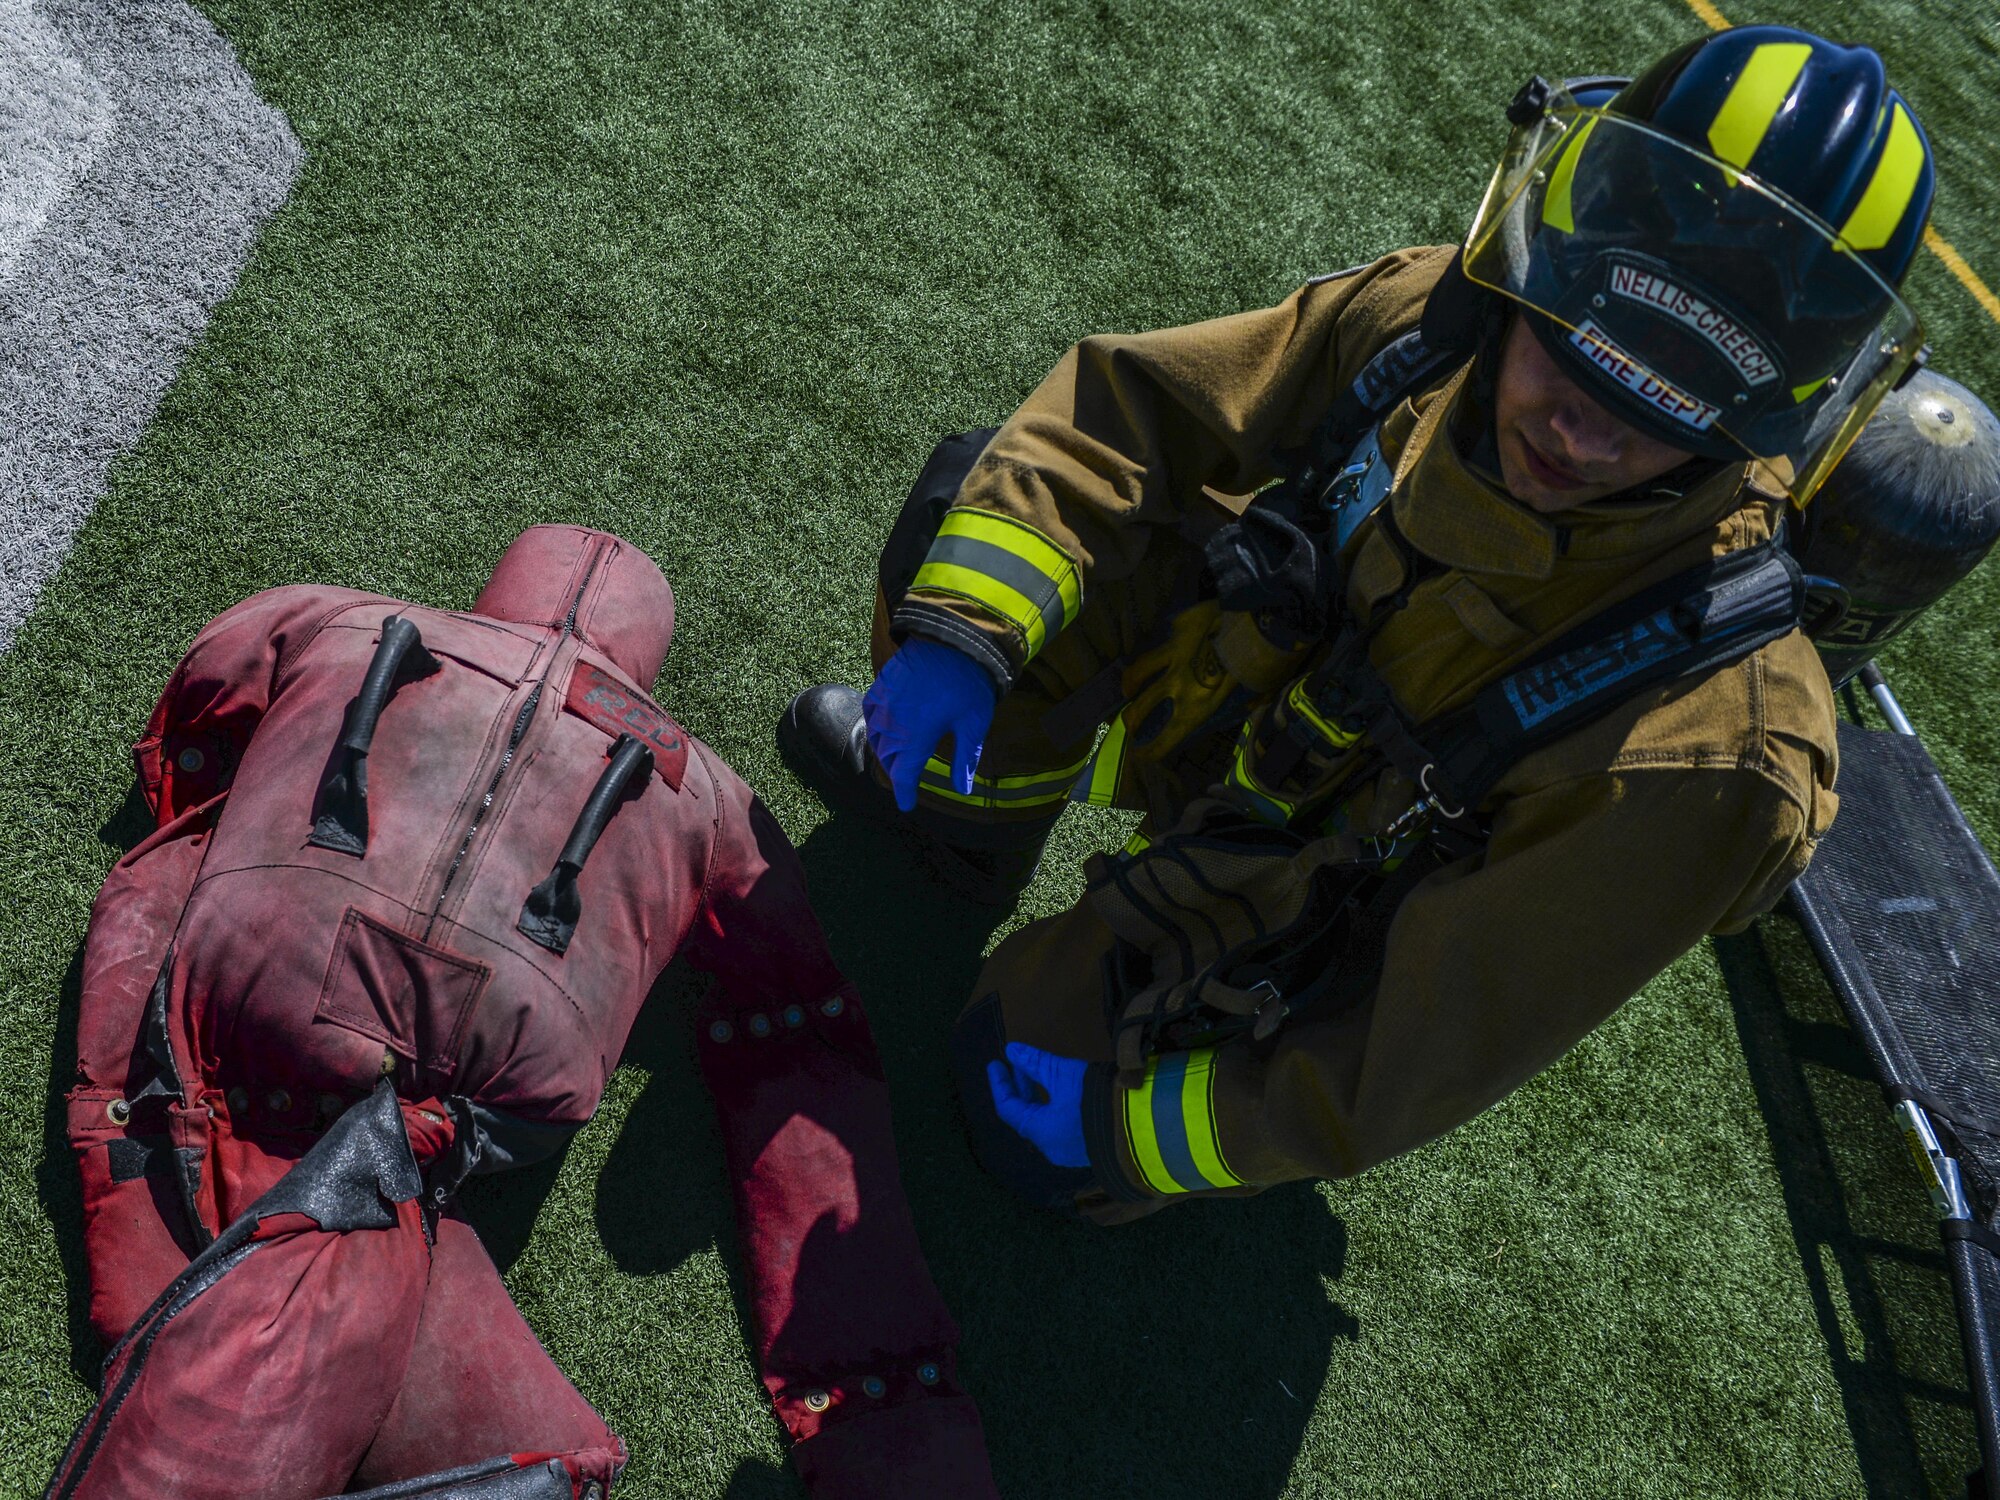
pixel 1419 812
pixel 1344 485
pixel 1271 1013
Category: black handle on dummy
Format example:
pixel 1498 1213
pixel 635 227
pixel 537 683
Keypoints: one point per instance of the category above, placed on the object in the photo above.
pixel 340 811
pixel 550 914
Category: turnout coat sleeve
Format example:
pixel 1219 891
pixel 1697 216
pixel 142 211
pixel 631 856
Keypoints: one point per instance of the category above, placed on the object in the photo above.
pixel 1595 879
pixel 1122 437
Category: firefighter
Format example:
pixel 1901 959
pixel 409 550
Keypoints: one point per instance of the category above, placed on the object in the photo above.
pixel 414 873
pixel 1490 706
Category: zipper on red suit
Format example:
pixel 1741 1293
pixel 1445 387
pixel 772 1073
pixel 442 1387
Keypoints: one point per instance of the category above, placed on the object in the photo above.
pixel 523 720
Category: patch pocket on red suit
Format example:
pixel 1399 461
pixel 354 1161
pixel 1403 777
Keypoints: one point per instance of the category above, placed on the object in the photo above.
pixel 409 995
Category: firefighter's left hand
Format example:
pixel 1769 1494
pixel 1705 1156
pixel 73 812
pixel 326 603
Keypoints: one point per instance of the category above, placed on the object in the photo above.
pixel 1039 1096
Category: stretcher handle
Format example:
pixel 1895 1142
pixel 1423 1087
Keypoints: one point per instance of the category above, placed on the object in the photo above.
pixel 550 914
pixel 340 810
pixel 1878 689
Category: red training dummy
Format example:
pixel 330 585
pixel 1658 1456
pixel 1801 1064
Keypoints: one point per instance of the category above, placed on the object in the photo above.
pixel 413 876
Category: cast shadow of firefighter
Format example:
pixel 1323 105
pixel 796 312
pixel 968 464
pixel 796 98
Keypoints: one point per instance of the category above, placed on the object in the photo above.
pixel 1180 1356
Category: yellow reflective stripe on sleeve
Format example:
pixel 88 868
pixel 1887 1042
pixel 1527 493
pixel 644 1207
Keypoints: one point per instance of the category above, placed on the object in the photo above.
pixel 1300 702
pixel 985 590
pixel 1007 567
pixel 1098 786
pixel 1890 190
pixel 1138 844
pixel 1556 204
pixel 1170 1122
pixel 1031 790
pixel 1760 91
pixel 1139 1134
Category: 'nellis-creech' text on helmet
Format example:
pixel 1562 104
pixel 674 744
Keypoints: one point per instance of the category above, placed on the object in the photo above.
pixel 1714 251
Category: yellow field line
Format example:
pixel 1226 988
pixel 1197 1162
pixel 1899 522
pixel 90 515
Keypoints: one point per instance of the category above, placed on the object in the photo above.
pixel 1936 243
pixel 1982 293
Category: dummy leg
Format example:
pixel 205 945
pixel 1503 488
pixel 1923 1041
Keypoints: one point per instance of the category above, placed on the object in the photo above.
pixel 851 1335
pixel 265 1367
pixel 480 1384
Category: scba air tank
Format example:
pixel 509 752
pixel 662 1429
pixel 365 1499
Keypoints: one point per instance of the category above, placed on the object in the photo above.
pixel 1909 511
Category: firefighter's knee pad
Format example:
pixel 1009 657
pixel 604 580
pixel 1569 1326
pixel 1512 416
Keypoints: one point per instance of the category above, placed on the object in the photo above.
pixel 979 1038
pixel 585 1475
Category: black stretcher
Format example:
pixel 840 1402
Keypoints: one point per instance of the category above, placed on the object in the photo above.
pixel 1902 906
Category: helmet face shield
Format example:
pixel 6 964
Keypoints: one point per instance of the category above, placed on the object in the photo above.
pixel 1687 297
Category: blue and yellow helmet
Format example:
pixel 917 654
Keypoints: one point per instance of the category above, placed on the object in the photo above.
pixel 1713 249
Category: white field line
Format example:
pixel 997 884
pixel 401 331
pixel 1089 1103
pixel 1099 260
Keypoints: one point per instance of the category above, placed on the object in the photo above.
pixel 136 166
pixel 54 118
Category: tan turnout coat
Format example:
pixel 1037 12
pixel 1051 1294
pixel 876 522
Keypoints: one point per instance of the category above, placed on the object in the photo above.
pixel 1684 812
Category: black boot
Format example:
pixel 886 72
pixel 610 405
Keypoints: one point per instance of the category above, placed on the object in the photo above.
pixel 823 737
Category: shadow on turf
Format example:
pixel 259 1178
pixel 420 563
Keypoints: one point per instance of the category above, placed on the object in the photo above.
pixel 1180 1356
pixel 1843 1174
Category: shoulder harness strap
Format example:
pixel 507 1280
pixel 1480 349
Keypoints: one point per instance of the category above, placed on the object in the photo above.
pixel 1686 626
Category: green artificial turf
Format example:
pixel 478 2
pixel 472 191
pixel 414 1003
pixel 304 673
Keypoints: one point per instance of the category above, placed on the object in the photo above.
pixel 715 276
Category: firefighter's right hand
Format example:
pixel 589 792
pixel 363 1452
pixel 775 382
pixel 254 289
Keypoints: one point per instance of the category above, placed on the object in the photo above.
pixel 924 692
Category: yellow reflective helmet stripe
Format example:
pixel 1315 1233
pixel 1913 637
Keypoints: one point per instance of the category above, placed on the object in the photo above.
pixel 1098 785
pixel 1887 197
pixel 1760 91
pixel 1006 567
pixel 1800 392
pixel 1556 204
pixel 1170 1123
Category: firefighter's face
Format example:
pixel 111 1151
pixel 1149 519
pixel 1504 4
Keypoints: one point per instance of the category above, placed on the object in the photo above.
pixel 1558 447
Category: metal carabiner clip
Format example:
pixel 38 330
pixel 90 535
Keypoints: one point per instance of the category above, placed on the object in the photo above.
pixel 1449 814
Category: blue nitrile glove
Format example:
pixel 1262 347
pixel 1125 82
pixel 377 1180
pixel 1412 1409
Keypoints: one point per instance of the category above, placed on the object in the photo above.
pixel 1053 1124
pixel 925 690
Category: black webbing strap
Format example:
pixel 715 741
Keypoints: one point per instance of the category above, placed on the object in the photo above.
pixel 1692 623
pixel 550 914
pixel 1400 369
pixel 1969 1229
pixel 340 811
pixel 1941 1109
